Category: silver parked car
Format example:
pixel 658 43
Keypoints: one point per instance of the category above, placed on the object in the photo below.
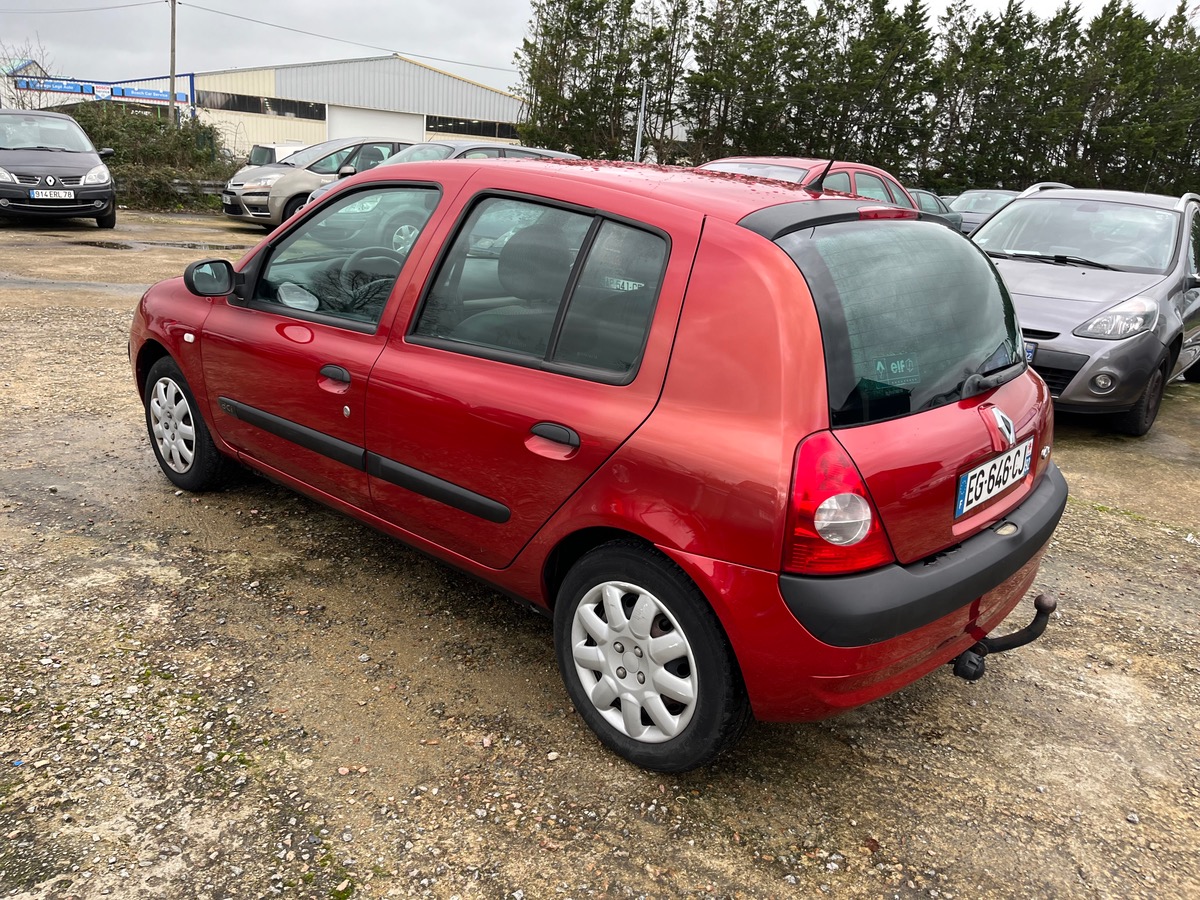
pixel 1107 292
pixel 272 193
pixel 433 150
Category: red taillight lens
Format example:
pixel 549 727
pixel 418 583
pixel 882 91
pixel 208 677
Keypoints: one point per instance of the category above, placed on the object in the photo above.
pixel 833 527
pixel 886 212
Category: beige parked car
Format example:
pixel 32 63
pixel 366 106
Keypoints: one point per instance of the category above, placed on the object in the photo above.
pixel 270 194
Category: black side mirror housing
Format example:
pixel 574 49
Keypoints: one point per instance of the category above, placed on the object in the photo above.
pixel 105 152
pixel 1191 281
pixel 210 278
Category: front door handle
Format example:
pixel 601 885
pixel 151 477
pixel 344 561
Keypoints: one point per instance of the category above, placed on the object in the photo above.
pixel 560 434
pixel 335 373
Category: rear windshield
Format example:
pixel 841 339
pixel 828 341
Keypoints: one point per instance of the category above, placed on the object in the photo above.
pixel 423 153
pixel 913 317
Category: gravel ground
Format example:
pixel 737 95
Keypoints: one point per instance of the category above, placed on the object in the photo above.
pixel 244 695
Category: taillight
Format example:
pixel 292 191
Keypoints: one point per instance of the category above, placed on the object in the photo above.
pixel 833 527
pixel 886 212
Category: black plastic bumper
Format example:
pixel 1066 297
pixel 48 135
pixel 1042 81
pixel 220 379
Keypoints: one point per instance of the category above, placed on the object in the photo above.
pixel 875 606
pixel 83 205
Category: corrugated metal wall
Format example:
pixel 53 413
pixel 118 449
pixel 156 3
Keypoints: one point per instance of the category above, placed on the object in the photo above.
pixel 240 131
pixel 394 83
pixel 254 82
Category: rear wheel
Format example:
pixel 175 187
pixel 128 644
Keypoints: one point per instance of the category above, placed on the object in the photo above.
pixel 182 443
pixel 1192 373
pixel 645 660
pixel 1138 420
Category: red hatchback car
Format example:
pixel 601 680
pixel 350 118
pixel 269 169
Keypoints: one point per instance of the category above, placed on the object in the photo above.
pixel 759 452
pixel 855 178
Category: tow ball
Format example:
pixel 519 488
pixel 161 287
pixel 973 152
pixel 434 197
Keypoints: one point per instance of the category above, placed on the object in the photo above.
pixel 970 663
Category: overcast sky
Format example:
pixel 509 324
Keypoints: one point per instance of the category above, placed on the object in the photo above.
pixel 112 44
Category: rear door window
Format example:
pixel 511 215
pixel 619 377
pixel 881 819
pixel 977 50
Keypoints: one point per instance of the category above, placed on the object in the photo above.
pixel 912 317
pixel 868 185
pixel 898 195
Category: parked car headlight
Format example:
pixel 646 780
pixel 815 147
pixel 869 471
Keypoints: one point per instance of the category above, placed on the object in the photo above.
pixel 98 175
pixel 1124 320
pixel 264 180
pixel 6 176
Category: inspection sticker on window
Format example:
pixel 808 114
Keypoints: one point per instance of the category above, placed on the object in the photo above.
pixel 896 370
pixel 987 480
pixel 1030 349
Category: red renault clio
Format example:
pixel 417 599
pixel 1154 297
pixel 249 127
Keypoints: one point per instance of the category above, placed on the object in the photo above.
pixel 759 451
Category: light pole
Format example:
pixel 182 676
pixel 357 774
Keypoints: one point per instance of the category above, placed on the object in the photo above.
pixel 171 104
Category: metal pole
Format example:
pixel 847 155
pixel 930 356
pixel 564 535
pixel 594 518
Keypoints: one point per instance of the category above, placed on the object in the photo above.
pixel 172 101
pixel 637 141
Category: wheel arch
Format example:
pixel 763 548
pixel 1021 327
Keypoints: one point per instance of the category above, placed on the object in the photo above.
pixel 148 354
pixel 572 548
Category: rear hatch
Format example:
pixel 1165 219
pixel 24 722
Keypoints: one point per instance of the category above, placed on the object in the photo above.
pixel 929 391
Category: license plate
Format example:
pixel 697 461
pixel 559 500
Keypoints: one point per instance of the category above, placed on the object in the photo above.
pixel 992 477
pixel 52 195
pixel 1030 349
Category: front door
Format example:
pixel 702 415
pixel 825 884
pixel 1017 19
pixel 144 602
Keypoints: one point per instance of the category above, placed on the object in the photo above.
pixel 287 366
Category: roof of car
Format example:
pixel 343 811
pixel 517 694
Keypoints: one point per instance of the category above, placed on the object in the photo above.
pixel 796 162
pixel 462 145
pixel 1159 201
pixel 33 112
pixel 727 195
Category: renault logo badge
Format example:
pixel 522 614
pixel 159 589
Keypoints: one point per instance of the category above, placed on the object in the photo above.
pixel 1007 430
pixel 50 179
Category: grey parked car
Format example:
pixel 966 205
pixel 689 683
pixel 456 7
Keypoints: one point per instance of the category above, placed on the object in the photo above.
pixel 433 150
pixel 1107 293
pixel 929 202
pixel 271 194
pixel 977 204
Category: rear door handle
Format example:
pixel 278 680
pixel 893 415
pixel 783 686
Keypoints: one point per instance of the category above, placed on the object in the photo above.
pixel 335 373
pixel 560 434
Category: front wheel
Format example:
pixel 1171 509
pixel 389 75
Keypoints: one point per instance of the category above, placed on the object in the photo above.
pixel 108 220
pixel 1138 420
pixel 182 443
pixel 645 660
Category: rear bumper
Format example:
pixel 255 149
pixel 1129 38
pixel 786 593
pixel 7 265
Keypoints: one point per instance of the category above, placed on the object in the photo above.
pixel 793 675
pixel 876 606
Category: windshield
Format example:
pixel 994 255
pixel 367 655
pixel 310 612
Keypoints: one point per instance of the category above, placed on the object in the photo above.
pixel 264 154
pixel 759 170
pixel 302 159
pixel 32 131
pixel 422 153
pixel 912 317
pixel 981 201
pixel 1104 233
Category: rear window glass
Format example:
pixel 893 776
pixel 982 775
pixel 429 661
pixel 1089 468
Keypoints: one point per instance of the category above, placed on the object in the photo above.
pixel 758 170
pixel 912 316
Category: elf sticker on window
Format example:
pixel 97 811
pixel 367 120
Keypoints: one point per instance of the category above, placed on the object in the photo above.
pixel 896 370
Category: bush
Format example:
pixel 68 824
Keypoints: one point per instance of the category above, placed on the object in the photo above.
pixel 151 158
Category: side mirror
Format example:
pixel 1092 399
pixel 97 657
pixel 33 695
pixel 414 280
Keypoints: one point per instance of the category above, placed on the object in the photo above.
pixel 210 278
pixel 1191 282
pixel 105 152
pixel 347 171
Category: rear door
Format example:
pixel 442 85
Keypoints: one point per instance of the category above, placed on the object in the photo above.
pixel 929 391
pixel 524 369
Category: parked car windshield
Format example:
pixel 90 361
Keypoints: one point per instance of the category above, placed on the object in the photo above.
pixel 759 170
pixel 1120 235
pixel 981 201
pixel 31 131
pixel 423 153
pixel 302 159
pixel 912 317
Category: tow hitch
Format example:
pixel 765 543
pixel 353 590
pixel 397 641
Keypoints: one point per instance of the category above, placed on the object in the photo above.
pixel 970 663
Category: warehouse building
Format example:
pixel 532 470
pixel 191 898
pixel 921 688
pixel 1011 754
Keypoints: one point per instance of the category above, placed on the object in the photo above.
pixel 307 103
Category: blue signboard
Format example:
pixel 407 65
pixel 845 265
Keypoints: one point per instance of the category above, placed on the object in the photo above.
pixel 87 89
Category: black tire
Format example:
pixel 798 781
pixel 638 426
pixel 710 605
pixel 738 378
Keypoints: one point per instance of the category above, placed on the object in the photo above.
pixel 1192 373
pixel 1139 420
pixel 182 443
pixel 108 220
pixel 293 206
pixel 671 733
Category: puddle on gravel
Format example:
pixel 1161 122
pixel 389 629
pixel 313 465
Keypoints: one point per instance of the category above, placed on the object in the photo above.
pixel 155 245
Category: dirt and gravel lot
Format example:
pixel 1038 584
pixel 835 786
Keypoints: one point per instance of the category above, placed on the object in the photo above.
pixel 243 695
